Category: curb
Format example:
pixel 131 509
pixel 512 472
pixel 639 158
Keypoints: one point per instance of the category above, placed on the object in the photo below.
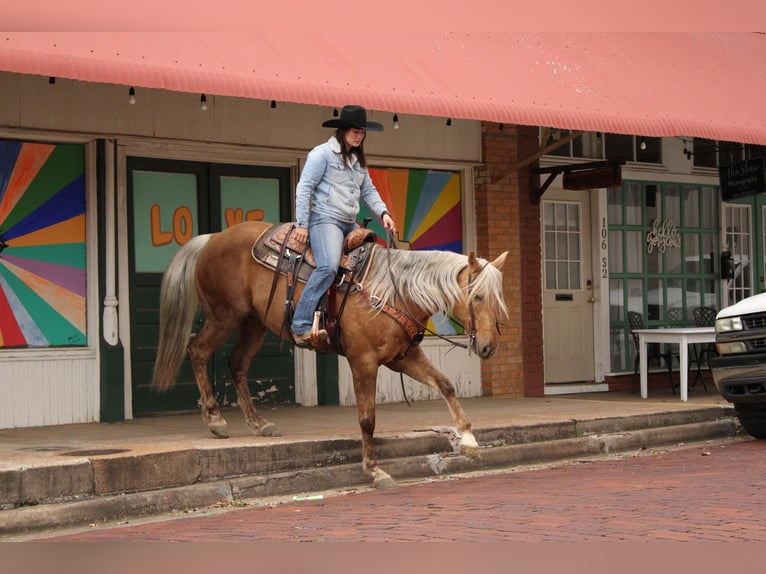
pixel 402 457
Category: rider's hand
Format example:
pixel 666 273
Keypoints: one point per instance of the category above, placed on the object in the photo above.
pixel 388 223
pixel 301 234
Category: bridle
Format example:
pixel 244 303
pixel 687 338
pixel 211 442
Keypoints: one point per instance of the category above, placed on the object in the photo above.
pixel 422 329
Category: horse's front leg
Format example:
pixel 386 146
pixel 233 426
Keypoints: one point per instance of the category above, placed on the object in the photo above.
pixel 365 381
pixel 416 365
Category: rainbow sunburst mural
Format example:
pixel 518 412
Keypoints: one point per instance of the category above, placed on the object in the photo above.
pixel 426 207
pixel 42 244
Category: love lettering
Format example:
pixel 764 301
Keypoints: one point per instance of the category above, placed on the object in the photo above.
pixel 182 228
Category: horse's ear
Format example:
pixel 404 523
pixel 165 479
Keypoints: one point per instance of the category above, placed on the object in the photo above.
pixel 472 260
pixel 500 260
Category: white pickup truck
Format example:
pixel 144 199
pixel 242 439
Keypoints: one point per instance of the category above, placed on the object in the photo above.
pixel 739 370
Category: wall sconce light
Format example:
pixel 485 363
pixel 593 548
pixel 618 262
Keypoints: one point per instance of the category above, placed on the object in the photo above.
pixel 396 121
pixel 449 121
pixel 132 95
pixel 686 151
pixel 203 102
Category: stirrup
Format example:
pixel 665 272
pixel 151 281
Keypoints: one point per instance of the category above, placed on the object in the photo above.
pixel 312 340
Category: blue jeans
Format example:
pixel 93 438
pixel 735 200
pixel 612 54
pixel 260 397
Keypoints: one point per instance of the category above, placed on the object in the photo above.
pixel 326 238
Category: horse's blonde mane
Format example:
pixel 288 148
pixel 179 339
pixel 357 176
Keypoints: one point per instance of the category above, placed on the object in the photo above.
pixel 429 279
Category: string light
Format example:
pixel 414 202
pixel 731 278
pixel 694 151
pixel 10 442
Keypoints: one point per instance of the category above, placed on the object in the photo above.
pixel 52 80
pixel 396 121
pixel 449 121
pixel 132 95
pixel 273 104
pixel 335 113
pixel 642 145
pixel 203 102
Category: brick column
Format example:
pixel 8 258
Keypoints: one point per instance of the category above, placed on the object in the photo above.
pixel 506 220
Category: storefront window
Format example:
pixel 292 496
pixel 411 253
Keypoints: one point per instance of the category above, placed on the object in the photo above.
pixel 599 145
pixel 42 241
pixel 664 250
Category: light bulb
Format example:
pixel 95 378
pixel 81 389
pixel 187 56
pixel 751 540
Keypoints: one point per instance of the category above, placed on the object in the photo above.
pixel 203 102
pixel 449 121
pixel 52 80
pixel 642 145
pixel 396 121
pixel 273 104
pixel 132 95
pixel 335 113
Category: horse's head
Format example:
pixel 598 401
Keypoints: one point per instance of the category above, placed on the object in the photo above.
pixel 482 305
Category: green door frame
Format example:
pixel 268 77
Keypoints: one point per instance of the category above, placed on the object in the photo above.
pixel 274 367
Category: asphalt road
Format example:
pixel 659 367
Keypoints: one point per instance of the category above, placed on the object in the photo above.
pixel 713 492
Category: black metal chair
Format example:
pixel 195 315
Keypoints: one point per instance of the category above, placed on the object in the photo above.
pixel 704 317
pixel 636 321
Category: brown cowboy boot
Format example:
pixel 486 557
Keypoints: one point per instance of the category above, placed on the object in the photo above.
pixel 316 338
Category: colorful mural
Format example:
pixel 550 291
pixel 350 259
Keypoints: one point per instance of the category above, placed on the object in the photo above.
pixel 42 245
pixel 426 207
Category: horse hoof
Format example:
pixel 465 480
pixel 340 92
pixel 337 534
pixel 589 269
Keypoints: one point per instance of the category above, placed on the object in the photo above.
pixel 385 483
pixel 219 430
pixel 269 429
pixel 471 452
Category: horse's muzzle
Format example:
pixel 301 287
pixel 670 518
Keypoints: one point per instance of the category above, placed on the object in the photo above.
pixel 486 350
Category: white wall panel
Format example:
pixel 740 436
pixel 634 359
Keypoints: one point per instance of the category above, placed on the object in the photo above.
pixel 463 371
pixel 42 391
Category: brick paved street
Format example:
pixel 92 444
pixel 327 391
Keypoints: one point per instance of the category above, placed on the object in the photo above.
pixel 700 493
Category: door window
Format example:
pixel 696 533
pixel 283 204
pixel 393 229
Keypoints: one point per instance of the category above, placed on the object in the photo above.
pixel 563 244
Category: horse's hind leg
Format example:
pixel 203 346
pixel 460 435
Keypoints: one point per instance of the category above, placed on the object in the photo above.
pixel 201 347
pixel 251 335
pixel 365 379
pixel 417 366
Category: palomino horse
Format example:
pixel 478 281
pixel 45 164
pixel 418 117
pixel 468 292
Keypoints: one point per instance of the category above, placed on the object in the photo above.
pixel 217 271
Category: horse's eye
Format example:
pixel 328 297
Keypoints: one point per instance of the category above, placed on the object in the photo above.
pixel 477 298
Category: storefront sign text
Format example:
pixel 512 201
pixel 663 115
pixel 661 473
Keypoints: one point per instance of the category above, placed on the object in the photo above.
pixel 663 234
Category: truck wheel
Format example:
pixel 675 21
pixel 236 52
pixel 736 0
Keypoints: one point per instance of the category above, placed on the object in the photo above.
pixel 753 418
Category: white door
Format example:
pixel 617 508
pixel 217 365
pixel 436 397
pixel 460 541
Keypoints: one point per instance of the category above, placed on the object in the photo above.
pixel 567 287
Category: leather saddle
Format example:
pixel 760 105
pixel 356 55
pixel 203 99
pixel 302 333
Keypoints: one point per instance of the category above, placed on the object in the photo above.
pixel 278 250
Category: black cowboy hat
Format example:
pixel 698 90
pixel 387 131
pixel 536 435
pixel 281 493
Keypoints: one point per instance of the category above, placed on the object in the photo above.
pixel 353 117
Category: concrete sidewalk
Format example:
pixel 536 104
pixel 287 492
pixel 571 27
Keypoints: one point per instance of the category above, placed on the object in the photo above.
pixel 85 473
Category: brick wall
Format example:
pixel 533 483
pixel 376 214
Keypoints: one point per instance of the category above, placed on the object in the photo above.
pixel 506 220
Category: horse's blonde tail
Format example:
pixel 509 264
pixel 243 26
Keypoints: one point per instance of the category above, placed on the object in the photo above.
pixel 178 305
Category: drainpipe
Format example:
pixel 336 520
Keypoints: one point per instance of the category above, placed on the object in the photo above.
pixel 110 321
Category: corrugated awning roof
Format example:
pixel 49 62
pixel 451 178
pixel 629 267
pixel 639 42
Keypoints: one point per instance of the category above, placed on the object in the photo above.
pixel 707 85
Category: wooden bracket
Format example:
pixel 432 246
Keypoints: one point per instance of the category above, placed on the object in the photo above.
pixel 537 155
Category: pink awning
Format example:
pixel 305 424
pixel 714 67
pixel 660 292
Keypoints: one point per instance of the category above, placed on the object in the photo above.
pixel 708 85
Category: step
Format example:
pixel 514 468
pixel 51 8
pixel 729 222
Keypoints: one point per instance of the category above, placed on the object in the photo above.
pixel 123 485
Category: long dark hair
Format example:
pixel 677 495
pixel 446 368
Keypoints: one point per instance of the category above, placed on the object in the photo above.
pixel 346 151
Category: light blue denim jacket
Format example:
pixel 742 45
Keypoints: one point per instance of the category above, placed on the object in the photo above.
pixel 329 187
